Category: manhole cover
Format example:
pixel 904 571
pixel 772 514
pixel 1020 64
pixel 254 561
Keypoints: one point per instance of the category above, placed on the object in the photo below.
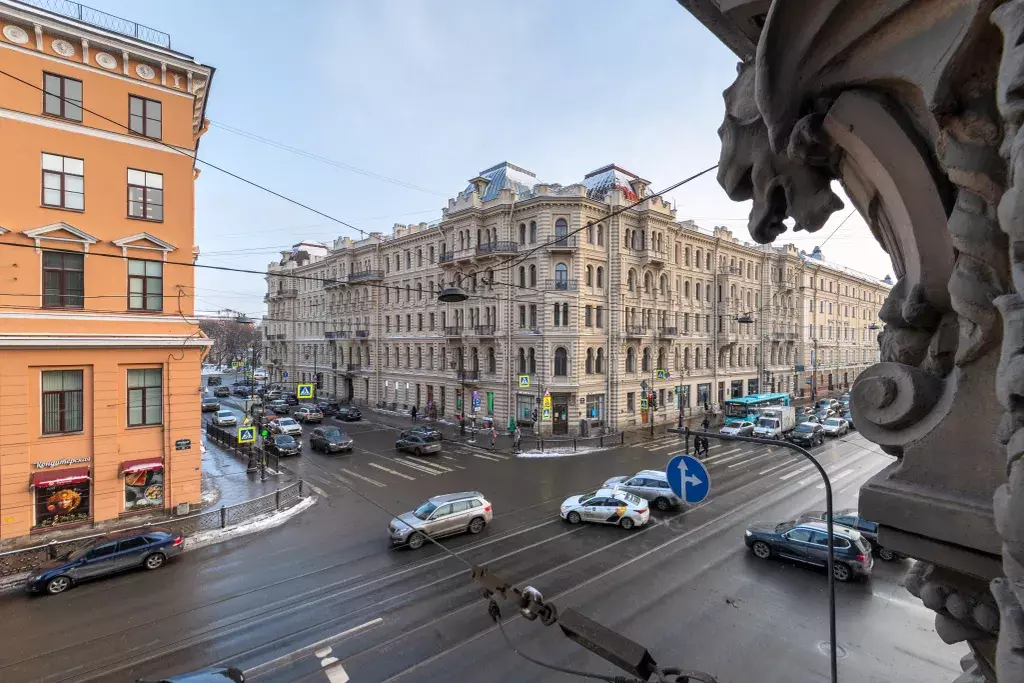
pixel 824 647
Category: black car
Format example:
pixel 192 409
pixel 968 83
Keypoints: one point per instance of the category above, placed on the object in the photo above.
pixel 850 519
pixel 330 440
pixel 110 554
pixel 211 405
pixel 807 542
pixel 424 431
pixel 291 400
pixel 328 408
pixel 282 444
pixel 808 434
pixel 278 406
pixel 218 675
pixel 349 414
pixel 213 381
pixel 221 392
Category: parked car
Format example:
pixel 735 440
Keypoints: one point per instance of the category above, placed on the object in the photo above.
pixel 743 428
pixel 211 405
pixel 606 506
pixel 240 390
pixel 418 445
pixel 212 381
pixel 282 444
pixel 424 431
pixel 116 552
pixel 807 434
pixel 259 373
pixel 286 425
pixel 225 418
pixel 651 485
pixel 328 408
pixel 451 513
pixel 349 414
pixel 278 407
pixel 330 440
pixel 308 414
pixel 807 542
pixel 222 392
pixel 291 400
pixel 216 675
pixel 850 519
pixel 835 426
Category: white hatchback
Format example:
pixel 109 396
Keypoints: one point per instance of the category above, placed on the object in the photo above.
pixel 287 425
pixel 607 506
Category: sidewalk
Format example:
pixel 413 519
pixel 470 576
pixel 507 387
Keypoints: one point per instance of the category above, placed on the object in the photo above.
pixel 225 481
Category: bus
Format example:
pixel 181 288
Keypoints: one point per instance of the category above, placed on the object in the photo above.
pixel 748 407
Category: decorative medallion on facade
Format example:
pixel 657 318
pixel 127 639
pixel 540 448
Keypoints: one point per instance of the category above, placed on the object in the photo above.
pixel 106 61
pixel 15 34
pixel 145 71
pixel 63 48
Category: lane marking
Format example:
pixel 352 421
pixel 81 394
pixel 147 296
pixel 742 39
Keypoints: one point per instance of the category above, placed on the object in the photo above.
pixel 772 469
pixel 796 472
pixel 722 455
pixel 747 462
pixel 430 464
pixel 416 466
pixel 481 456
pixel 736 457
pixel 841 475
pixel 397 474
pixel 359 476
pixel 314 648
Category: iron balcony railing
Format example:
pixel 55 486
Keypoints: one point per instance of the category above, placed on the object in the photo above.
pixel 365 275
pixel 503 247
pixel 89 15
pixel 468 375
pixel 565 242
pixel 446 257
pixel 352 367
pixel 485 330
pixel 362 334
pixel 562 285
pixel 635 330
pixel 454 331
pixel 667 331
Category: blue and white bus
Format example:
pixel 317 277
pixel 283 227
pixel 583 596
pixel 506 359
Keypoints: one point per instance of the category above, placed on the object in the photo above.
pixel 748 407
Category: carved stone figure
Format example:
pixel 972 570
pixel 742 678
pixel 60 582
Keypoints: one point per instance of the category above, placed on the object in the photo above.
pixel 916 108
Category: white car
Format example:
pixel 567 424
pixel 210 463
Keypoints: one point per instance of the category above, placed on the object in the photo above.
pixel 743 428
pixel 835 426
pixel 287 425
pixel 260 374
pixel 606 506
pixel 225 418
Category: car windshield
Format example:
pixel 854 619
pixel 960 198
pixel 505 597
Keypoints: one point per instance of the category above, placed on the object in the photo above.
pixel 284 440
pixel 833 422
pixel 783 527
pixel 287 421
pixel 224 413
pixel 768 422
pixel 805 428
pixel 423 511
pixel 587 496
pixel 333 433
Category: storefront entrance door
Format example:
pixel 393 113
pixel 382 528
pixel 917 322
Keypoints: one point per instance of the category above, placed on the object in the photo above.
pixel 559 414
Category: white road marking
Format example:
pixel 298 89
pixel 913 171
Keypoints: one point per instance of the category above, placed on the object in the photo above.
pixel 722 455
pixel 772 469
pixel 670 444
pixel 732 457
pixel 841 475
pixel 747 462
pixel 397 474
pixel 359 476
pixel 416 466
pixel 318 491
pixel 335 673
pixel 796 472
pixel 321 646
pixel 432 464
pixel 482 456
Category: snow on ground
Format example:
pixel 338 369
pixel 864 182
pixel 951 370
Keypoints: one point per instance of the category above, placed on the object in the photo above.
pixel 210 495
pixel 561 452
pixel 257 524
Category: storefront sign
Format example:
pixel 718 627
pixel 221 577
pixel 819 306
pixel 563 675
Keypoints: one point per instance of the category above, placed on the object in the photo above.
pixel 144 489
pixel 61 463
pixel 183 444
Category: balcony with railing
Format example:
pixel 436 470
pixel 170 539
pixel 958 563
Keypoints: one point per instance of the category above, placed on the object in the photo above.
pixel 362 334
pixel 285 293
pixel 528 329
pixel 667 332
pixel 453 331
pixel 352 367
pixel 563 243
pixel 451 257
pixel 366 276
pixel 108 22
pixel 656 257
pixel 467 375
pixel 497 248
pixel 635 331
pixel 561 285
pixel 334 284
pixel 485 330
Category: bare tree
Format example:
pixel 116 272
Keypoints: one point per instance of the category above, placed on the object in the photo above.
pixel 232 340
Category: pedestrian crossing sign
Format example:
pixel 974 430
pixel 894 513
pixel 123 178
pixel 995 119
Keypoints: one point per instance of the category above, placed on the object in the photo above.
pixel 246 434
pixel 524 381
pixel 546 415
pixel 662 374
pixel 304 391
pixel 643 404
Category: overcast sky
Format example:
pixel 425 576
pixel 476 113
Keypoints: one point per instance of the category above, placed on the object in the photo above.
pixel 431 93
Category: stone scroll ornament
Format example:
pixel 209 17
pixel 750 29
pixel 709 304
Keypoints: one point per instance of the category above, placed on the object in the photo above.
pixel 898 101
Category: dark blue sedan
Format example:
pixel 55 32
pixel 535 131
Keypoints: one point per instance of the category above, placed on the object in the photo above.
pixel 106 555
pixel 807 542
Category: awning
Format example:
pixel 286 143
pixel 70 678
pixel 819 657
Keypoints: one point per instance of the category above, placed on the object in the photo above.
pixel 143 465
pixel 71 475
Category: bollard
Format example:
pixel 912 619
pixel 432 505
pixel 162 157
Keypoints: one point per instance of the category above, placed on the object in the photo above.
pixel 223 516
pixel 574 444
pixel 300 488
pixel 277 499
pixel 602 440
pixel 622 438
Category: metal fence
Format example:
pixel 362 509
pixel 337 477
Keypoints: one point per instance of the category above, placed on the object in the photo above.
pixel 575 443
pixel 27 559
pixel 254 456
pixel 90 15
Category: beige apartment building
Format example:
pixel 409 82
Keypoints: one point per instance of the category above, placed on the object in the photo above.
pixel 595 310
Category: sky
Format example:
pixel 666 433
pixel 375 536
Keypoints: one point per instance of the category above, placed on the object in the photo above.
pixel 430 93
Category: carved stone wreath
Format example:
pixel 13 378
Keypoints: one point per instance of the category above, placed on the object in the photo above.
pixel 15 34
pixel 106 61
pixel 63 48
pixel 145 71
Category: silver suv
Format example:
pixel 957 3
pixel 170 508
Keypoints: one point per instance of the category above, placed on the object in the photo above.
pixel 650 485
pixel 445 515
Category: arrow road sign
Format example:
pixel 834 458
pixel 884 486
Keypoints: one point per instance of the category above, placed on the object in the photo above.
pixel 303 391
pixel 688 478
pixel 246 434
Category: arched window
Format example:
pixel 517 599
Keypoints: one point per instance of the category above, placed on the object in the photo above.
pixel 600 235
pixel 686 256
pixel 645 361
pixel 630 277
pixel 599 363
pixel 561 228
pixel 419 257
pixel 707 292
pixel 522 361
pixel 697 289
pixel 590 276
pixel 419 291
pixel 732 292
pixel 630 360
pixel 661 359
pixel 626 240
pixel 600 276
pixel 522 233
pixel 590 233
pixel 492 362
pixel 475 360
pixel 679 253
pixel 533 232
pixel 686 289
pixel 532 360
pixel 698 261
pixel 478 236
pixel 561 362
pixel 663 284
pixel 707 261
pixel 462 240
pixel 647 282
pixel 522 276
pixel 419 357
pixel 696 358
pixel 589 366
pixel 533 275
pixel 561 276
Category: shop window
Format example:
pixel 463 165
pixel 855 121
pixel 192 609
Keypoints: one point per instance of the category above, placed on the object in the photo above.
pixel 143 484
pixel 61 496
pixel 62 401
pixel 145 404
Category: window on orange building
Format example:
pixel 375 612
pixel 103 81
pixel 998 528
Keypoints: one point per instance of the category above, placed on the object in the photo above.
pixel 62 97
pixel 145 397
pixel 63 182
pixel 62 401
pixel 145 285
pixel 63 279
pixel 145 117
pixel 145 195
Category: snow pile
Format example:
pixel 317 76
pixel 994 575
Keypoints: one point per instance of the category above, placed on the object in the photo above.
pixel 561 452
pixel 210 495
pixel 261 523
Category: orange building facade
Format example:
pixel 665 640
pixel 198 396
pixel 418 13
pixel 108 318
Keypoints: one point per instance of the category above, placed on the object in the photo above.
pixel 100 356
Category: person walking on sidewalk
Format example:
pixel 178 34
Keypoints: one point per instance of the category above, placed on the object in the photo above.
pixel 706 423
pixel 412 412
pixel 517 436
pixel 494 436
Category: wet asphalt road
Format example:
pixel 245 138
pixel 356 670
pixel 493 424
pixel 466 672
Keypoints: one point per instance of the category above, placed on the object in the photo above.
pixel 684 586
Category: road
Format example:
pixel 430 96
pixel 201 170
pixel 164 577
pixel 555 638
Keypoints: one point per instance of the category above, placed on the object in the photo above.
pixel 684 586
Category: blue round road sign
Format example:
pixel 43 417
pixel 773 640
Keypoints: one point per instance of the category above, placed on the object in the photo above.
pixel 688 478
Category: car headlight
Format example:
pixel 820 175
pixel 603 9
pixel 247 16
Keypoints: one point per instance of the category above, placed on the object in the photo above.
pixel 747 533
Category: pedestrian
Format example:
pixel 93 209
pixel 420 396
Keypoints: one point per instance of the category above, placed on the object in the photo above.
pixel 494 436
pixel 413 412
pixel 705 439
pixel 462 425
pixel 706 423
pixel 517 435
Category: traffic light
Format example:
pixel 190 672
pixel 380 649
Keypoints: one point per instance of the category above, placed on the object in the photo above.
pixel 319 379
pixel 652 401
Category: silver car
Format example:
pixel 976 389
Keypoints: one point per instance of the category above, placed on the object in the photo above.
pixel 606 506
pixel 835 426
pixel 224 418
pixel 650 485
pixel 742 428
pixel 445 515
pixel 286 425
